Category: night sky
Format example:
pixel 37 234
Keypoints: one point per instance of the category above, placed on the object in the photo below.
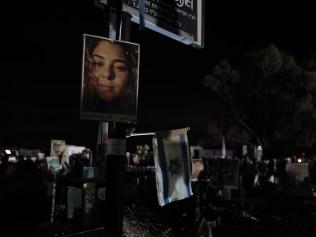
pixel 41 48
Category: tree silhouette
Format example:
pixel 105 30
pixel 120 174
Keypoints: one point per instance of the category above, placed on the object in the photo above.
pixel 269 97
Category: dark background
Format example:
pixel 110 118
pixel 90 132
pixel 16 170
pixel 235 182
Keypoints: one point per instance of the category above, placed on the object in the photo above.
pixel 40 62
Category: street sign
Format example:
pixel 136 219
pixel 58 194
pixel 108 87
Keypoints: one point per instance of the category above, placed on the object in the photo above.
pixel 182 20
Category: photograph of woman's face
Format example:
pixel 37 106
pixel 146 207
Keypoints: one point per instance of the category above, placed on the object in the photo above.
pixel 109 85
pixel 58 147
pixel 110 70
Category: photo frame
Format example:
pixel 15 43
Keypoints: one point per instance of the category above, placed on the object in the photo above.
pixel 53 163
pixel 109 82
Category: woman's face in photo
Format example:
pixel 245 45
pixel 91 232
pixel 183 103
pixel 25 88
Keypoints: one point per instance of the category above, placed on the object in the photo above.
pixel 110 70
pixel 59 147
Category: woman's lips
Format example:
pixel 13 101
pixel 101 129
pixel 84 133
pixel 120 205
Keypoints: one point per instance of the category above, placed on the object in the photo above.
pixel 106 88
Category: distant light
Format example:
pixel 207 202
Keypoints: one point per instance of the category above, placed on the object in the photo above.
pixel 7 151
pixel 12 159
pixel 299 160
pixel 85 186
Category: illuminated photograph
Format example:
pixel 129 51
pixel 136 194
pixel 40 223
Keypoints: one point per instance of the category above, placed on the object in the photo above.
pixel 109 86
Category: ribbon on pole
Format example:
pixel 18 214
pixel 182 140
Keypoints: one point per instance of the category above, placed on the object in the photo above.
pixel 141 8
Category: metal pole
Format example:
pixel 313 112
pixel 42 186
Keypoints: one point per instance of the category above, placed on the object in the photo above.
pixel 52 214
pixel 115 181
pixel 119 29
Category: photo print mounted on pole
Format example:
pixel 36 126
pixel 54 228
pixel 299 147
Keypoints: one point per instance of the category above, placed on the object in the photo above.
pixel 109 83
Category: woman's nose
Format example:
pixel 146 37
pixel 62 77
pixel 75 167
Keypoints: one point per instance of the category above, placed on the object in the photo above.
pixel 108 72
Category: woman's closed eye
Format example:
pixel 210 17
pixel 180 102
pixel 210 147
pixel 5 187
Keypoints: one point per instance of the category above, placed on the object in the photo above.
pixel 98 63
pixel 120 66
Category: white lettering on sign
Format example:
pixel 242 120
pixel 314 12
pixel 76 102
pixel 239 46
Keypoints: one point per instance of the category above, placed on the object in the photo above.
pixel 182 20
pixel 185 3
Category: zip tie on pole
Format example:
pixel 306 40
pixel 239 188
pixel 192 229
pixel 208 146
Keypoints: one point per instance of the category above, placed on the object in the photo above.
pixel 140 134
pixel 83 232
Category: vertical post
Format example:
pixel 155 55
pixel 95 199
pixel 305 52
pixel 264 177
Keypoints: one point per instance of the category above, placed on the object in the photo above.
pixel 52 214
pixel 116 152
pixel 115 19
pixel 119 28
pixel 126 26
